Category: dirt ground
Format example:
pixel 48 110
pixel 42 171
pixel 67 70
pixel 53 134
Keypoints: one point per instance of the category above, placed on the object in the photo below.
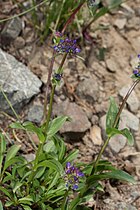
pixel 109 58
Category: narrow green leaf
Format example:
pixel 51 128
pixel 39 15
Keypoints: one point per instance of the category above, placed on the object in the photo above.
pixel 9 203
pixel 2 149
pixel 74 203
pixel 125 132
pixel 49 146
pixel 40 172
pixel 71 156
pixel 17 186
pixel 26 199
pixel 12 161
pixel 25 207
pixel 101 12
pixel 54 181
pixel 53 164
pixel 115 174
pixel 16 125
pixel 113 3
pixel 55 125
pixel 5 191
pixel 111 114
pixel 12 151
pixel 31 127
pixel 62 150
pixel 7 178
pixel 60 146
pixel 1 206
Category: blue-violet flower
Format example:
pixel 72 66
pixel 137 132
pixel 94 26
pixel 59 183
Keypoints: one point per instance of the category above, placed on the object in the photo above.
pixel 66 45
pixel 136 71
pixel 72 175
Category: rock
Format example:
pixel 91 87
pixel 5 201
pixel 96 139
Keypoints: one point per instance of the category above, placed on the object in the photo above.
pixel 19 42
pixel 129 167
pixel 132 101
pixel 11 30
pixel 95 119
pixel 79 123
pixel 133 37
pixel 17 81
pixel 112 64
pixel 133 23
pixel 120 23
pixel 117 143
pixel 95 135
pixel 135 195
pixel 130 120
pixel 35 113
pixel 123 205
pixel 88 89
pixel 128 9
pixel 29 157
pixel 138 145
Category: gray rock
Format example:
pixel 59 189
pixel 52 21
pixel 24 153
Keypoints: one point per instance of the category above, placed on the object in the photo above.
pixel 133 102
pixel 123 205
pixel 35 113
pixel 133 23
pixel 11 30
pixel 120 23
pixel 95 135
pixel 117 142
pixel 128 9
pixel 88 89
pixel 19 42
pixel 29 157
pixel 112 64
pixel 95 119
pixel 17 82
pixel 79 123
pixel 130 120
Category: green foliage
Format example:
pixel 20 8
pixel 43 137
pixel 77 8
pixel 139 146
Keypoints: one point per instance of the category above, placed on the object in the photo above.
pixel 111 122
pixel 42 182
pixel 111 114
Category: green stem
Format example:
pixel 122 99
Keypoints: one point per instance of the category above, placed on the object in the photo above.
pixel 59 71
pixel 48 84
pixel 115 124
pixel 40 148
pixel 124 101
pixel 50 108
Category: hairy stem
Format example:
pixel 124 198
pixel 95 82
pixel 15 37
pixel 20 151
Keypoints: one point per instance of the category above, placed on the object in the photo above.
pixel 72 16
pixel 115 123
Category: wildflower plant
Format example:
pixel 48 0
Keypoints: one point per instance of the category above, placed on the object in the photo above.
pixel 54 180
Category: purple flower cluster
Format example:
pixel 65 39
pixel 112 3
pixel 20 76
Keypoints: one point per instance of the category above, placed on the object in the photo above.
pixel 72 175
pixel 57 76
pixel 136 71
pixel 66 45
